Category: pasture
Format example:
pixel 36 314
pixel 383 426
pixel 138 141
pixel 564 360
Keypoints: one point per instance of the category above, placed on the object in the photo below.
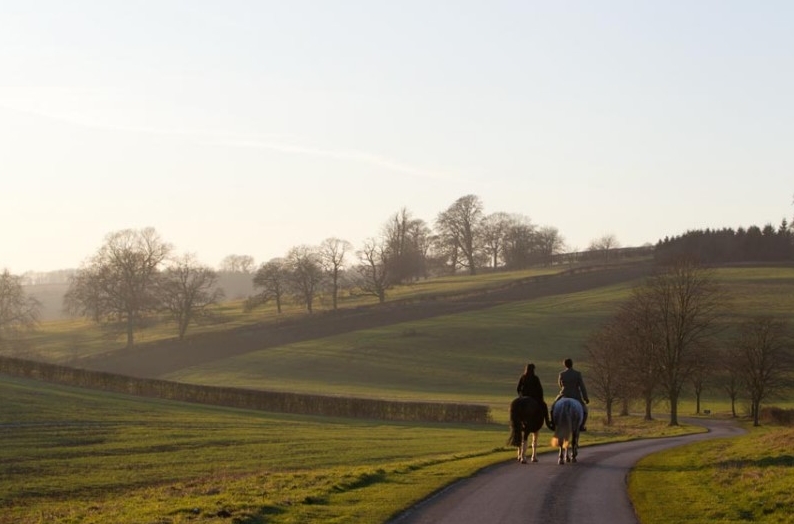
pixel 80 456
pixel 73 455
pixel 474 356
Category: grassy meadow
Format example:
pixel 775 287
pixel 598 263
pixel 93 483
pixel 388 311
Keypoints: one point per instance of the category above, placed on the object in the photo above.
pixel 79 456
pixel 474 356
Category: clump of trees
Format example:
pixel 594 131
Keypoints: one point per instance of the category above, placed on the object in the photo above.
pixel 667 336
pixel 761 360
pixel 132 278
pixel 407 249
pixel 19 313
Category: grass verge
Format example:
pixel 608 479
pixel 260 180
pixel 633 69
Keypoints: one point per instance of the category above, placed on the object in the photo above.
pixel 741 479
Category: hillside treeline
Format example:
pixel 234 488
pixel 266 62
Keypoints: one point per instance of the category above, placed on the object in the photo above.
pixel 727 245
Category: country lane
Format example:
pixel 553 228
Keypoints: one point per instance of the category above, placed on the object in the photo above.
pixel 593 490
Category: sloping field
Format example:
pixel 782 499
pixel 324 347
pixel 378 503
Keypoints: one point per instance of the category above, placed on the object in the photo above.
pixel 161 358
pixel 469 350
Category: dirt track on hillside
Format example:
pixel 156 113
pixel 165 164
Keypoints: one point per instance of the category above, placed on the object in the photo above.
pixel 157 359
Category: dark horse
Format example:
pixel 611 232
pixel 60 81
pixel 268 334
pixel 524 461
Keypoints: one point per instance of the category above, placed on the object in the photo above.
pixel 526 417
pixel 567 414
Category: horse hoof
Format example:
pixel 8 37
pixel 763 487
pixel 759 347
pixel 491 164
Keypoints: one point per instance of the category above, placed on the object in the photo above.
pixel 523 461
pixel 561 462
pixel 573 460
pixel 534 459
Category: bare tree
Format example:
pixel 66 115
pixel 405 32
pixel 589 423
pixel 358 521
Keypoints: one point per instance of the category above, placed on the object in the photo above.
pixel 373 270
pixel 685 303
pixel 332 256
pixel 461 225
pixel 237 264
pixel 305 274
pixel 549 243
pixel 604 245
pixel 117 287
pixel 702 371
pixel 18 312
pixel 731 376
pixel 604 354
pixel 188 290
pixel 495 228
pixel 519 243
pixel 641 339
pixel 763 347
pixel 273 280
pixel 406 243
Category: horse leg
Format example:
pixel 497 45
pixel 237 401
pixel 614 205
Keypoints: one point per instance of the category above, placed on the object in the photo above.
pixel 561 456
pixel 534 447
pixel 522 451
pixel 575 446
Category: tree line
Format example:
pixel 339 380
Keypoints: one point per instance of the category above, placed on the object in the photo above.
pixel 135 276
pixel 754 244
pixel 671 334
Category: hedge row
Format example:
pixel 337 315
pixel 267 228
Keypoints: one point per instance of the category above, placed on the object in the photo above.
pixel 780 416
pixel 273 401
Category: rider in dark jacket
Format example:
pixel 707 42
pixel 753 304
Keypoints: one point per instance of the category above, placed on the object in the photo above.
pixel 529 386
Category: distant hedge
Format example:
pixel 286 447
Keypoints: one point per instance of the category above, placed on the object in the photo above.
pixel 776 415
pixel 274 401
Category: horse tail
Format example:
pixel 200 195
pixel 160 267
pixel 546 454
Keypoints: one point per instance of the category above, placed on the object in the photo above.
pixel 515 426
pixel 563 432
pixel 515 434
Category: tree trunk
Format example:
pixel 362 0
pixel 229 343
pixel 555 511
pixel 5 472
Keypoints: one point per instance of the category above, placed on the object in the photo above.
pixel 674 409
pixel 130 330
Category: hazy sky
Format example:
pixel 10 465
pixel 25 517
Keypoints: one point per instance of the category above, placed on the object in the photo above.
pixel 249 127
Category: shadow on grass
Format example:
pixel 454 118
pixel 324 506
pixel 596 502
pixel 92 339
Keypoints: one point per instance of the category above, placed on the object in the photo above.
pixel 261 516
pixel 362 481
pixel 766 462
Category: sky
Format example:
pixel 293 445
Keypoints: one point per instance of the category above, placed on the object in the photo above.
pixel 251 127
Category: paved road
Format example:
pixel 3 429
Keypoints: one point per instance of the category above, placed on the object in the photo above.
pixel 593 490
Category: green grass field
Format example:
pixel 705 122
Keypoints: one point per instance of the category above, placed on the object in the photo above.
pixel 73 455
pixel 475 356
pixel 743 479
pixel 78 456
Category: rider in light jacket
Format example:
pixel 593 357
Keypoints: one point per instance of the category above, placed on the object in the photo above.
pixel 572 386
